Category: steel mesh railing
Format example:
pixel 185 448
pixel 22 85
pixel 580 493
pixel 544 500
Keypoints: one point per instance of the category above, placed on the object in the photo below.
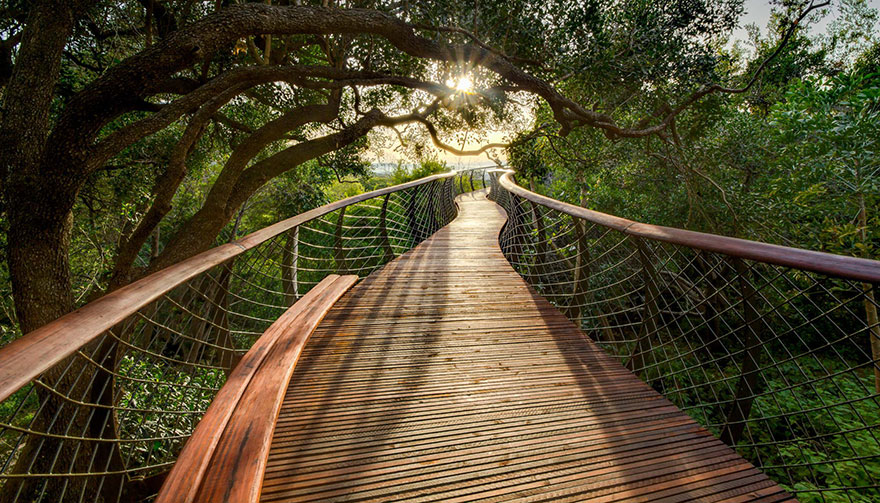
pixel 107 422
pixel 472 179
pixel 773 357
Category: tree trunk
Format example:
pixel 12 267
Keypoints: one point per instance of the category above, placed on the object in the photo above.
pixel 39 240
pixel 644 346
pixel 39 213
pixel 40 200
pixel 748 386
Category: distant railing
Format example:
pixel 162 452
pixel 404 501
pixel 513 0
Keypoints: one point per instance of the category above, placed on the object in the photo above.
pixel 768 347
pixel 96 405
pixel 472 179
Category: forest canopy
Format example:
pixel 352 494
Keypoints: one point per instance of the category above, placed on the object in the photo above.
pixel 136 134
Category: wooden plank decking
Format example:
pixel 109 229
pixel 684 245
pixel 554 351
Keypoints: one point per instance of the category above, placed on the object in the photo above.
pixel 445 377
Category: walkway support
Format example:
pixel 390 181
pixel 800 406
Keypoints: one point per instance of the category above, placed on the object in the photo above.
pixel 768 347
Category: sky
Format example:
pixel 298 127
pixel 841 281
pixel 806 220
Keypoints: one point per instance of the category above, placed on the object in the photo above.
pixel 756 12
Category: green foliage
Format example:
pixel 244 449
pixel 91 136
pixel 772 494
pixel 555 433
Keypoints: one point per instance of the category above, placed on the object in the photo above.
pixel 142 408
pixel 793 161
pixel 342 190
pixel 427 167
pixel 828 157
pixel 810 436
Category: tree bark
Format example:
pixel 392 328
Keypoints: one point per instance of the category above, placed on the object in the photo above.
pixel 39 220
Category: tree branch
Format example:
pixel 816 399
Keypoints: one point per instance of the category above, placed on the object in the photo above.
pixel 710 89
pixel 484 46
pixel 164 189
pixel 121 88
pixel 300 76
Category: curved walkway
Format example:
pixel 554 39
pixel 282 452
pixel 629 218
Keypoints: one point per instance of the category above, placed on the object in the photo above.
pixel 445 377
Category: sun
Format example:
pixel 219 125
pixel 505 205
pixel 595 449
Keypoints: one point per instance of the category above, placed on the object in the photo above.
pixel 464 84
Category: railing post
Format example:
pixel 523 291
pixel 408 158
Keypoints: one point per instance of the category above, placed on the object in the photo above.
pixel 439 208
pixel 388 252
pixel 870 303
pixel 414 232
pixel 540 243
pixel 648 329
pixel 472 181
pixel 432 209
pixel 496 193
pixel 493 192
pixel 220 321
pixel 338 249
pixel 515 223
pixel 289 260
pixel 581 271
pixel 746 388
pixel 712 312
pixel 448 202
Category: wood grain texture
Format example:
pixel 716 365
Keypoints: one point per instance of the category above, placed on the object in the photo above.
pixel 228 448
pixel 824 263
pixel 445 377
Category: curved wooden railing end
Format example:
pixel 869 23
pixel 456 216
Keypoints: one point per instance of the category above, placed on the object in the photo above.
pixel 225 458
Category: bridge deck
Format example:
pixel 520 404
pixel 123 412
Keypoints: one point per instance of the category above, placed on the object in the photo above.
pixel 445 377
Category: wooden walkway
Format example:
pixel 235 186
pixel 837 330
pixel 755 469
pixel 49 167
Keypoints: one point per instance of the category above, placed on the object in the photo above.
pixel 445 377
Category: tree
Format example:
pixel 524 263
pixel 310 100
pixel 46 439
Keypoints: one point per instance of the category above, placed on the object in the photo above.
pixel 92 80
pixel 831 152
pixel 125 103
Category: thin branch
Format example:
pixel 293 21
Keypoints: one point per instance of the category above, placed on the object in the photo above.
pixel 484 46
pixel 707 90
pixel 449 148
pixel 231 123
pixel 79 62
pixel 399 136
pixel 254 52
pixel 785 37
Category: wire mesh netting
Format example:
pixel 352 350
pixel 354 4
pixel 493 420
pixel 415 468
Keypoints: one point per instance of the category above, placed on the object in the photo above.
pixel 107 423
pixel 773 360
pixel 776 361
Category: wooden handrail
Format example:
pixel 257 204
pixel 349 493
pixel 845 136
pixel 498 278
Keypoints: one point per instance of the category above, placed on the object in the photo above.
pixel 25 358
pixel 226 455
pixel 841 266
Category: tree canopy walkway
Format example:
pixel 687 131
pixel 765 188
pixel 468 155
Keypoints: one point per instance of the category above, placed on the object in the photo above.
pixel 510 348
